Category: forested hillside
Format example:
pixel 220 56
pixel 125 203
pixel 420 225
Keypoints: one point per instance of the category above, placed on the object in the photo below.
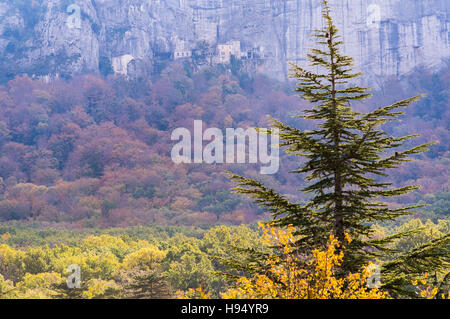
pixel 94 205
pixel 141 262
pixel 92 151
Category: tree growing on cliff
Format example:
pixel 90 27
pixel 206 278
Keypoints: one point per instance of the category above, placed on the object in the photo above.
pixel 345 154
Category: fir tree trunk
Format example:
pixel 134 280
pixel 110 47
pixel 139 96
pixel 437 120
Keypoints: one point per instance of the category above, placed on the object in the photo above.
pixel 338 206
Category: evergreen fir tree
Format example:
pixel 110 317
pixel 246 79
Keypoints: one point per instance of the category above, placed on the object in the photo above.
pixel 344 155
pixel 147 285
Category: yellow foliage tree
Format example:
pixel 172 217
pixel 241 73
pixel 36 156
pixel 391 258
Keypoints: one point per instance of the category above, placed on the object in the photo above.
pixel 38 286
pixel 198 293
pixel 425 289
pixel 6 288
pixel 147 258
pixel 286 279
pixel 101 289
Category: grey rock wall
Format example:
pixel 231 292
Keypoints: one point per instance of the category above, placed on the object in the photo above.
pixel 53 37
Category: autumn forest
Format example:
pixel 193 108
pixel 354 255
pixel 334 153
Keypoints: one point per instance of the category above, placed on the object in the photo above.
pixel 87 179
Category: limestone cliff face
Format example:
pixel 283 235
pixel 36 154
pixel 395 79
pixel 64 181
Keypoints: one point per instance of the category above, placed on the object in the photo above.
pixel 64 37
